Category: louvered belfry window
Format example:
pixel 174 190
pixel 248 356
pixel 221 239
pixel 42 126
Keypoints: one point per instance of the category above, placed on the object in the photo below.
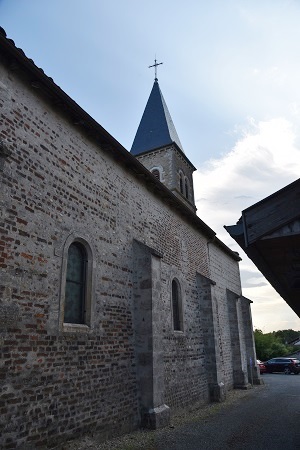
pixel 75 284
pixel 156 173
pixel 186 188
pixel 181 183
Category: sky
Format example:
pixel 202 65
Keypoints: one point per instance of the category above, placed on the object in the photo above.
pixel 230 77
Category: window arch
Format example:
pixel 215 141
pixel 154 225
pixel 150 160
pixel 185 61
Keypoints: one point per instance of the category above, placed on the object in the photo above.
pixel 177 306
pixel 156 173
pixel 75 286
pixel 76 292
pixel 186 188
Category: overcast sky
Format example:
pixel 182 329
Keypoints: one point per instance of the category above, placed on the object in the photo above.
pixel 230 77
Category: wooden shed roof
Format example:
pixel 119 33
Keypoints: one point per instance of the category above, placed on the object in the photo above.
pixel 269 233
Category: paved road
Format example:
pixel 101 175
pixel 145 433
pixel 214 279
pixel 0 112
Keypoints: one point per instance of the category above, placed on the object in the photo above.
pixel 265 418
pixel 268 419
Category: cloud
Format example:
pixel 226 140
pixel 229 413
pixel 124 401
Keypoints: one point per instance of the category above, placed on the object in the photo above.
pixel 254 282
pixel 269 311
pixel 264 159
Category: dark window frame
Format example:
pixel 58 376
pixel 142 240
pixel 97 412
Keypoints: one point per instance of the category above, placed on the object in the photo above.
pixel 177 306
pixel 186 188
pixel 156 173
pixel 181 183
pixel 86 321
pixel 75 287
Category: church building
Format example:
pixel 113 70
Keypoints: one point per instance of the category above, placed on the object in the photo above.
pixel 119 306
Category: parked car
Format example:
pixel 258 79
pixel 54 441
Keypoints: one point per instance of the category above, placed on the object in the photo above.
pixel 286 365
pixel 261 366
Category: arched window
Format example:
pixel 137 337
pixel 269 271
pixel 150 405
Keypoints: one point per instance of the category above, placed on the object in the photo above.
pixel 181 182
pixel 75 288
pixel 187 190
pixel 156 173
pixel 177 306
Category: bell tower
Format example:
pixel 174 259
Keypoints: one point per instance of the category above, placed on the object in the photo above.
pixel 157 146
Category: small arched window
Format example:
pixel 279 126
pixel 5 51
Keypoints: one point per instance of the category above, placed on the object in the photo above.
pixel 156 173
pixel 181 182
pixel 177 306
pixel 75 290
pixel 187 190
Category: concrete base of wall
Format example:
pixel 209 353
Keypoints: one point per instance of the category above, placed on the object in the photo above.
pixel 155 418
pixel 218 392
pixel 240 378
pixel 255 376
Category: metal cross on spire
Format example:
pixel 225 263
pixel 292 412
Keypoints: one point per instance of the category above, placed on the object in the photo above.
pixel 155 67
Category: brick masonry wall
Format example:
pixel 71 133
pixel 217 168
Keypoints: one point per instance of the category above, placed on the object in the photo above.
pixel 56 182
pixel 224 272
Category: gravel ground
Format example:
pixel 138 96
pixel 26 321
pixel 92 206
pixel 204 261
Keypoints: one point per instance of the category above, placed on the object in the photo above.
pixel 145 439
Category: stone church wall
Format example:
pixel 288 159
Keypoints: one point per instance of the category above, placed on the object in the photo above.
pixel 232 320
pixel 58 381
pixel 224 274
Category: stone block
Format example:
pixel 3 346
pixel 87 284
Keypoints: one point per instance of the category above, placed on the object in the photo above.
pixel 218 392
pixel 158 417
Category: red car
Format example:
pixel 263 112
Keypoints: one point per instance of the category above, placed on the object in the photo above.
pixel 261 366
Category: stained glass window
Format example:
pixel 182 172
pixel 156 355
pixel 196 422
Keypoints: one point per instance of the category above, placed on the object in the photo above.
pixel 75 284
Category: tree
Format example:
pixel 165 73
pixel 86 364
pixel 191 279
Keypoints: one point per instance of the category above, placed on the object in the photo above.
pixel 270 345
pixel 287 336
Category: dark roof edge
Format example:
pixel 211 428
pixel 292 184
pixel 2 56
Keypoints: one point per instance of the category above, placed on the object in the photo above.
pixel 96 131
pixel 274 194
pixel 246 299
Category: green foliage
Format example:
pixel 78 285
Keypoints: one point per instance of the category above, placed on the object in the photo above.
pixel 271 345
pixel 287 336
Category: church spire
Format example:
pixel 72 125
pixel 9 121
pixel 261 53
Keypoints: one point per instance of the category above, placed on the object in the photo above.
pixel 157 146
pixel 156 128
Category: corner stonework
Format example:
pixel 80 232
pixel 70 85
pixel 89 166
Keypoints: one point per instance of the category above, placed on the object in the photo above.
pixel 155 418
pixel 217 390
pixel 148 325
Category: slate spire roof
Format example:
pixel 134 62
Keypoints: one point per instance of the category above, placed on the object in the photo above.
pixel 156 128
